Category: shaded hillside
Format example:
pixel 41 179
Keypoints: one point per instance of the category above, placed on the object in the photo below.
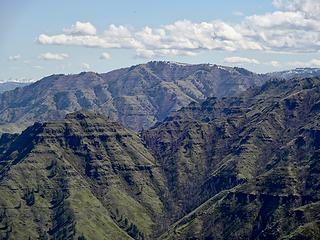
pixel 245 168
pixel 83 176
pixel 138 96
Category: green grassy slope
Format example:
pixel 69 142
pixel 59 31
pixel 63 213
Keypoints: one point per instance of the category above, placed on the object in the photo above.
pixel 84 176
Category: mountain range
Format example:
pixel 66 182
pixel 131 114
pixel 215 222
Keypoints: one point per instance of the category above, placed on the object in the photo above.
pixel 8 86
pixel 239 161
pixel 296 73
pixel 138 96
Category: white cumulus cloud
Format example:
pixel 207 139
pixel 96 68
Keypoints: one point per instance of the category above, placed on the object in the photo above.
pixel 310 7
pixel 293 27
pixel 241 60
pixel 53 56
pixel 81 28
pixel 274 63
pixel 113 37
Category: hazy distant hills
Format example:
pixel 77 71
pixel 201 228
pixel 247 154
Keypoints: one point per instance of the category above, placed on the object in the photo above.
pixel 7 86
pixel 244 167
pixel 138 96
pixel 296 73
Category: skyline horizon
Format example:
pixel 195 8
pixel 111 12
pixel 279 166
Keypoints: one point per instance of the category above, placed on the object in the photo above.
pixel 26 80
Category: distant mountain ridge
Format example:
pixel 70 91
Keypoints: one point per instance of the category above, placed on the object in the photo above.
pixel 7 86
pixel 296 73
pixel 138 96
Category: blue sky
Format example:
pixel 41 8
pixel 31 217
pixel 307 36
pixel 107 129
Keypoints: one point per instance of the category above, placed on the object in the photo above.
pixel 43 37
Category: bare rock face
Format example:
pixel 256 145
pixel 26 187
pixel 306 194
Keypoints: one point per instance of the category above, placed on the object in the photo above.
pixel 138 96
